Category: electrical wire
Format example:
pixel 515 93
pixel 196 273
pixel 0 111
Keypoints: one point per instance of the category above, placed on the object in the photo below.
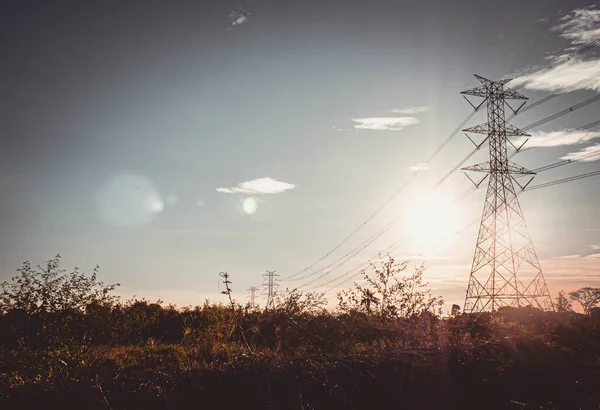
pixel 568 161
pixel 563 112
pixel 558 136
pixel 563 180
pixel 585 48
pixel 575 86
pixel 578 52
pixel 352 252
pixel 385 203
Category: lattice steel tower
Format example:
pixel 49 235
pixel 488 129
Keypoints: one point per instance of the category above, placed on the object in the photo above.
pixel 270 288
pixel 252 295
pixel 505 270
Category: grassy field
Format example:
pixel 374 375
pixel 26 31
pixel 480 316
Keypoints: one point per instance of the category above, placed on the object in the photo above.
pixel 82 348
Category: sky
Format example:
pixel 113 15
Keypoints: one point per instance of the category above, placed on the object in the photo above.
pixel 169 141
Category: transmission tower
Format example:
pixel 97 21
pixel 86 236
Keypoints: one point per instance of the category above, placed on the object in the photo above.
pixel 252 295
pixel 269 288
pixel 505 270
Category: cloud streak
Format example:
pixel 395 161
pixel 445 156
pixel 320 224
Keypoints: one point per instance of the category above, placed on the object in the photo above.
pixel 557 138
pixel 421 166
pixel 588 154
pixel 259 186
pixel 384 123
pixel 579 26
pixel 410 110
pixel 563 77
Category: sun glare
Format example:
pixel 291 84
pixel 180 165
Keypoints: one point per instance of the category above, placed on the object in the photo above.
pixel 430 222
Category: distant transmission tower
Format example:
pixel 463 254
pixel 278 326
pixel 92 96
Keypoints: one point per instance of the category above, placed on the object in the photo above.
pixel 505 270
pixel 269 287
pixel 252 295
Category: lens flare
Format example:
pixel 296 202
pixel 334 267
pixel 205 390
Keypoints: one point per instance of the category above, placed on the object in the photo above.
pixel 129 200
pixel 429 223
pixel 249 206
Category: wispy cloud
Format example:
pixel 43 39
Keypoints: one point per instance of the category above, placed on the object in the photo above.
pixel 265 185
pixel 238 17
pixel 384 123
pixel 421 166
pixel 587 154
pixel 410 110
pixel 557 138
pixel 594 255
pixel 567 257
pixel 579 26
pixel 595 247
pixel 564 76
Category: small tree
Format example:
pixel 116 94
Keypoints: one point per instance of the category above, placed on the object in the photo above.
pixel 294 302
pixel 51 289
pixel 455 310
pixel 562 303
pixel 387 293
pixel 587 297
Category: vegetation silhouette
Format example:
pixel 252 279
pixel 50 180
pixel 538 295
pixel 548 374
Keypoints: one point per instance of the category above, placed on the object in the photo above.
pixel 66 341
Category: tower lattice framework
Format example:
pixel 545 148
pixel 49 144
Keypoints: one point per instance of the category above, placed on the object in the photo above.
pixel 505 269
pixel 270 288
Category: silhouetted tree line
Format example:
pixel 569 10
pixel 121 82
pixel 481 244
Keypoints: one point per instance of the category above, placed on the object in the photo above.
pixel 58 328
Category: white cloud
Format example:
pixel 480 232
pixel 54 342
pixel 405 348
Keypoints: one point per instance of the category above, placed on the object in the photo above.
pixel 563 76
pixel 410 110
pixel 589 153
pixel 595 247
pixel 594 255
pixel 557 138
pixel 384 123
pixel 238 17
pixel 421 166
pixel 265 185
pixel 580 26
pixel 567 257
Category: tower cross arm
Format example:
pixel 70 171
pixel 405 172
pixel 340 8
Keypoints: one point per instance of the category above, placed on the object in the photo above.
pixel 509 130
pixel 480 91
pixel 510 94
pixel 510 168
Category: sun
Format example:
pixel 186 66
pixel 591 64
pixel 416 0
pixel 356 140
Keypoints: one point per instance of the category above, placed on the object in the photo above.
pixel 429 223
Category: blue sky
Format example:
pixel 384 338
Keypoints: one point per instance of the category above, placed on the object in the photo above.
pixel 169 141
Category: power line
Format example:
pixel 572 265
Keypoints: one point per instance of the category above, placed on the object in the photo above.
pixel 389 248
pixel 353 251
pixel 568 161
pixel 568 89
pixel 356 252
pixel 386 202
pixel 585 48
pixel 462 197
pixel 563 180
pixel 563 112
pixel 438 150
pixel 526 128
pixel 445 177
pixel 557 136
